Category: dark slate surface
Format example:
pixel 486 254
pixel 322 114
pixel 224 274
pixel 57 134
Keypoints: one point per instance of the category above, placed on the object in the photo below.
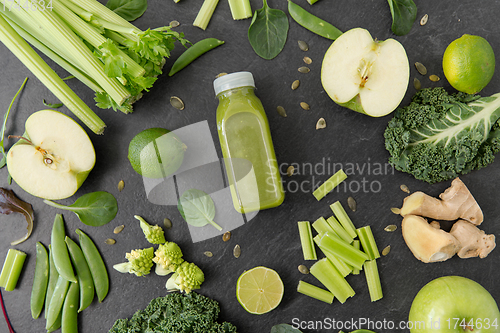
pixel 271 239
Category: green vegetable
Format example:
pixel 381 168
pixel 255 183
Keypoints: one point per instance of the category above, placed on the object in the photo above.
pixel 40 280
pixel 373 280
pixel 69 313
pixel 205 14
pixel 11 270
pixel 50 105
pixel 10 203
pixel 321 226
pixel 53 277
pixel 139 262
pixel 60 253
pixel 306 240
pixel 329 276
pixel 85 281
pixel 441 136
pixel 176 312
pixel 56 301
pixel 197 208
pixel 194 52
pixel 268 31
pixel 154 234
pixel 343 250
pixel 284 328
pixel 368 242
pixel 343 218
pixel 240 9
pixel 130 10
pixel 329 185
pixel 404 13
pixel 315 292
pixel 167 257
pixel 339 229
pixel 312 22
pixel 343 268
pixel 186 278
pixel 94 209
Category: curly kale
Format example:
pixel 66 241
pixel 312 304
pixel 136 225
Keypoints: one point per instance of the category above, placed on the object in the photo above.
pixel 440 136
pixel 192 313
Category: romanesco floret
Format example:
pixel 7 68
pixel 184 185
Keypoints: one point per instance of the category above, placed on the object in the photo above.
pixel 139 262
pixel 167 258
pixel 154 234
pixel 187 277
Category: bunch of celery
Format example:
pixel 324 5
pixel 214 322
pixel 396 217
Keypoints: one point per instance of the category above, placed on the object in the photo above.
pixel 108 54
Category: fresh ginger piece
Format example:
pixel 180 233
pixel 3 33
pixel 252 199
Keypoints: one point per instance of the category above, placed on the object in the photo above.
pixel 456 202
pixel 473 241
pixel 426 242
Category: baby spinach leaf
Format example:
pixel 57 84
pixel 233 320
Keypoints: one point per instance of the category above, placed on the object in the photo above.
pixel 128 9
pixel 404 13
pixel 197 208
pixel 94 209
pixel 10 203
pixel 268 31
pixel 284 328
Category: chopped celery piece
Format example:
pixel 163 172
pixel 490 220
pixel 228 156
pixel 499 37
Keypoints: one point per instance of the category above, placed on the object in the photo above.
pixel 306 240
pixel 240 9
pixel 339 230
pixel 343 250
pixel 329 276
pixel 343 268
pixel 321 226
pixel 373 280
pixel 329 185
pixel 343 218
pixel 315 292
pixel 368 242
pixel 205 14
pixel 356 243
pixel 11 269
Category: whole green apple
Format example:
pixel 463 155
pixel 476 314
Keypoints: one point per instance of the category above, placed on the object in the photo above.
pixel 453 304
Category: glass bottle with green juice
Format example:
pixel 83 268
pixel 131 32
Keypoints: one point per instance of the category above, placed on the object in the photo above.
pixel 246 143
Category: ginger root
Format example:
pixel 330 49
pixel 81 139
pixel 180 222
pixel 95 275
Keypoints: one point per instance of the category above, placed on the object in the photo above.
pixel 473 242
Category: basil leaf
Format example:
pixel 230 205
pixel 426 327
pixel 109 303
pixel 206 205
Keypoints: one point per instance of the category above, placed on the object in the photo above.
pixel 268 31
pixel 50 105
pixel 94 209
pixel 197 208
pixel 128 9
pixel 284 328
pixel 10 203
pixel 404 13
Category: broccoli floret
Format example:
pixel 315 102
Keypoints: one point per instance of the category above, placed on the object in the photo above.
pixel 154 234
pixel 167 258
pixel 187 277
pixel 139 262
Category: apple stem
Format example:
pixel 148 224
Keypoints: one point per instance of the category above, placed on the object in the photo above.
pixel 20 137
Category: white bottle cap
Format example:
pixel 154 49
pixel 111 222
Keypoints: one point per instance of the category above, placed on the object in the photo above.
pixel 233 80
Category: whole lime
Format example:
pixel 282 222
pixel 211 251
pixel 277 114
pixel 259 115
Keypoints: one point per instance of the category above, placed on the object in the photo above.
pixel 469 63
pixel 156 153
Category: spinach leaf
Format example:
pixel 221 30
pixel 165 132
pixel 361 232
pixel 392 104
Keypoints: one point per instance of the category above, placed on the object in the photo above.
pixel 10 203
pixel 268 31
pixel 284 328
pixel 94 209
pixel 128 9
pixel 404 13
pixel 197 208
pixel 52 105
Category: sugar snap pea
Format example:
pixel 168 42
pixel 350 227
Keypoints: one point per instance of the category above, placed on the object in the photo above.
pixel 69 319
pixel 57 324
pixel 96 265
pixel 56 301
pixel 60 250
pixel 194 52
pixel 312 22
pixel 53 276
pixel 83 274
pixel 40 280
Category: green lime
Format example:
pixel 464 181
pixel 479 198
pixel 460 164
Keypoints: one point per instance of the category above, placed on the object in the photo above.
pixel 469 63
pixel 259 290
pixel 156 153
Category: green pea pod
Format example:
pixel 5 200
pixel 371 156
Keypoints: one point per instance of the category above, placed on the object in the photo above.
pixel 40 280
pixel 57 324
pixel 60 250
pixel 82 273
pixel 312 22
pixel 69 319
pixel 96 265
pixel 53 277
pixel 194 52
pixel 56 301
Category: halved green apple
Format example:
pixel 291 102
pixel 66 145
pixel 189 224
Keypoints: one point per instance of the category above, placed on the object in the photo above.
pixel 365 75
pixel 53 157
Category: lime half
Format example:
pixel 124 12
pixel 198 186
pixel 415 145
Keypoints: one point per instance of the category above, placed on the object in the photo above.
pixel 259 290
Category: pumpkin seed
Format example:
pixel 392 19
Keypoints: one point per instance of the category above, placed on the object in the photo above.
pixel 290 170
pixel 110 241
pixel 386 250
pixel 417 84
pixel 424 19
pixel 303 45
pixel 395 210
pixel 352 204
pixel 421 68
pixel 208 254
pixel 167 223
pixel 121 185
pixel 118 229
pixel 295 84
pixel 321 123
pixel 174 24
pixel 237 251
pixel 303 269
pixel 281 111
pixel 391 228
pixel 304 105
pixel 226 236
pixel 434 78
pixel 404 188
pixel 304 69
pixel 220 74
pixel 308 60
pixel 177 103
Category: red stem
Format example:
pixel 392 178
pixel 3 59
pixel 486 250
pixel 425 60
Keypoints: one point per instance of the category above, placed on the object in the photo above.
pixel 11 330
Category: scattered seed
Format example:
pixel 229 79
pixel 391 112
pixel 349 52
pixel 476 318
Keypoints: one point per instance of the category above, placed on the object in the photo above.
pixel 352 204
pixel 110 241
pixel 395 210
pixel 321 123
pixel 417 84
pixel 226 236
pixel 118 229
pixel 295 84
pixel 174 24
pixel 167 223
pixel 304 105
pixel 281 111
pixel 237 251
pixel 290 170
pixel 404 188
pixel 391 228
pixel 424 19
pixel 308 60
pixel 434 78
pixel 304 69
pixel 177 103
pixel 303 269
pixel 303 45
pixel 121 185
pixel 421 68
pixel 220 74
pixel 208 254
pixel 386 250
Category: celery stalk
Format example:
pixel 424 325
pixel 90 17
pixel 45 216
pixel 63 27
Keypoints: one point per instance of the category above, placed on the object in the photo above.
pixel 11 269
pixel 240 9
pixel 373 280
pixel 315 292
pixel 205 14
pixel 357 244
pixel 343 218
pixel 345 251
pixel 329 185
pixel 343 268
pixel 329 276
pixel 306 240
pixel 321 226
pixel 339 230
pixel 368 242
